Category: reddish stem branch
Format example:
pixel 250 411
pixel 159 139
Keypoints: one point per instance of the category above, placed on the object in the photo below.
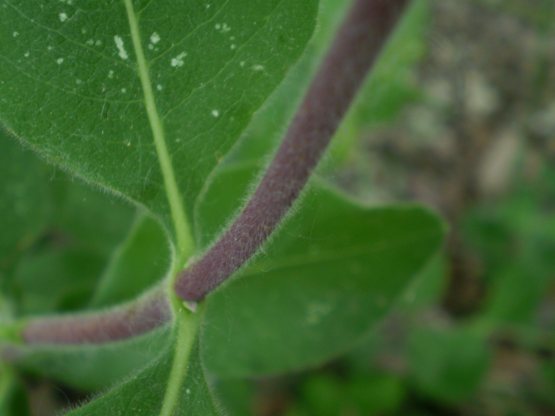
pixel 95 328
pixel 358 43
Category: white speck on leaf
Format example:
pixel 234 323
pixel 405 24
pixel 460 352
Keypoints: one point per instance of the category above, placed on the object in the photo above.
pixel 124 90
pixel 188 391
pixel 258 67
pixel 15 34
pixel 26 54
pixel 178 60
pixel 62 16
pixel 222 27
pixel 121 48
pixel 215 113
pixel 233 46
pixel 60 61
pixel 159 87
pixel 154 38
pixel 111 73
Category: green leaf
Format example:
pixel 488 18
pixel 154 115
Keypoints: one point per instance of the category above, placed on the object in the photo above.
pixel 427 288
pixel 236 396
pixel 144 98
pixel 330 395
pixel 139 262
pixel 164 388
pixel 447 365
pixel 24 200
pixel 13 401
pixel 60 271
pixel 86 217
pixel 54 279
pixel 330 273
pixel 57 233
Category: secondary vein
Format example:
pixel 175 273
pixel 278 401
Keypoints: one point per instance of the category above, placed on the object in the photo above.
pixel 185 242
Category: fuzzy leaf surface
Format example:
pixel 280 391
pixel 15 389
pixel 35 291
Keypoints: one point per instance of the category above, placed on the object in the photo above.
pixel 144 392
pixel 24 200
pixel 93 95
pixel 331 272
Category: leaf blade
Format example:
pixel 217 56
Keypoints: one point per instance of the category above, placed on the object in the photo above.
pixel 331 272
pixel 142 393
pixel 181 225
pixel 204 99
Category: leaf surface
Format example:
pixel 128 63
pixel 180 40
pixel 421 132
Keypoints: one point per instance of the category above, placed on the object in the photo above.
pixel 144 98
pixel 25 203
pixel 331 272
pixel 146 393
pixel 447 364
pixel 141 261
pixel 57 233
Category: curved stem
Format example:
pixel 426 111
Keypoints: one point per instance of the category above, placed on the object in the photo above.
pixel 357 44
pixel 359 41
pixel 115 324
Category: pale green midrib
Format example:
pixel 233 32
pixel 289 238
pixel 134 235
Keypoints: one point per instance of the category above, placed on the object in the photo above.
pixel 185 242
pixel 187 326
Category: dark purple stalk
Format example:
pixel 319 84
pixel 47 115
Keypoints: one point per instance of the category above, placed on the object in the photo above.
pixel 357 44
pixel 95 328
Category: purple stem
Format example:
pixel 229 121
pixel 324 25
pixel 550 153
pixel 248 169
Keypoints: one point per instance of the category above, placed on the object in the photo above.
pixel 95 328
pixel 356 46
pixel 358 43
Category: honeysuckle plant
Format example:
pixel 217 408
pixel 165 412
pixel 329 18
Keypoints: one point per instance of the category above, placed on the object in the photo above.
pixel 197 250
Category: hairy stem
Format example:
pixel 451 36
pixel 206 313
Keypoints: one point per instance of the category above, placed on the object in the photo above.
pixel 358 43
pixel 120 323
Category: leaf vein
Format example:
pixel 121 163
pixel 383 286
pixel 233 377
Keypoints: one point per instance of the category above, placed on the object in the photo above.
pixel 181 226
